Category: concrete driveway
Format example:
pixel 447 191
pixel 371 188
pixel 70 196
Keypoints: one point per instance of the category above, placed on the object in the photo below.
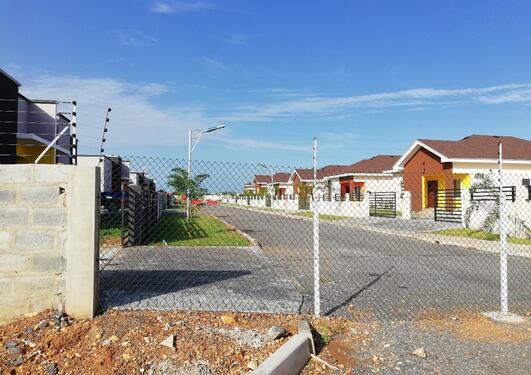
pixel 387 275
pixel 208 278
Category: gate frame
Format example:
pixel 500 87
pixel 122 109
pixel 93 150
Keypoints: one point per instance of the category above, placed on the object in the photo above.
pixel 382 196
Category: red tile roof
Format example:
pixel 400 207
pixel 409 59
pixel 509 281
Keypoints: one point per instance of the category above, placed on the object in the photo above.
pixel 262 179
pixel 280 177
pixel 306 174
pixel 482 147
pixel 376 164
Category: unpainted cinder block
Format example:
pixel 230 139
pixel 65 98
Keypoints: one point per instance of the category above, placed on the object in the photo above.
pixel 46 263
pixel 49 217
pixel 15 174
pixel 13 216
pixel 39 194
pixel 34 240
pixel 7 196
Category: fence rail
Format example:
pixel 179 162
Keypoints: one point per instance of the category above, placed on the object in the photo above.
pixel 492 194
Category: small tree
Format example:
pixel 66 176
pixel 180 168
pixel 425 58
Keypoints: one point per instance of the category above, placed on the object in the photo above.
pixel 181 184
pixel 262 191
pixel 484 182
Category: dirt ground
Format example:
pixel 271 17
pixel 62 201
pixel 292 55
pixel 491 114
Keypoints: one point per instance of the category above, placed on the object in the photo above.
pixel 128 342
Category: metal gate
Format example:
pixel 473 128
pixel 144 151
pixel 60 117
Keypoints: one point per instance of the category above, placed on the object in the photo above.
pixel 382 204
pixel 448 205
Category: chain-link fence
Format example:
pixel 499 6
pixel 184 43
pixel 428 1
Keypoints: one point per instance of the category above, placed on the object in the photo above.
pixel 389 244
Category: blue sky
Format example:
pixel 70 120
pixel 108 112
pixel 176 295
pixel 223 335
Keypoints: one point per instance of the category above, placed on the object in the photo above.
pixel 365 77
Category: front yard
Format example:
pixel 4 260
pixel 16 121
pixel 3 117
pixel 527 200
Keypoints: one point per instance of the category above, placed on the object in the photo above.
pixel 173 229
pixel 201 230
pixel 482 235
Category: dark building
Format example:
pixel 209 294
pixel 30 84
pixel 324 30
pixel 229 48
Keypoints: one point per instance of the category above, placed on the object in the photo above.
pixel 28 126
pixel 8 118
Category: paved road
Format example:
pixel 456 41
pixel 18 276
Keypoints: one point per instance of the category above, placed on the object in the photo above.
pixel 210 279
pixel 384 274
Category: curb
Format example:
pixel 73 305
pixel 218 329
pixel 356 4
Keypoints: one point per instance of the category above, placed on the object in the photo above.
pixel 254 242
pixel 291 357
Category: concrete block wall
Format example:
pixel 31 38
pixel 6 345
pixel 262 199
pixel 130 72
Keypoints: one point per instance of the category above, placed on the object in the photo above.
pixel 48 221
pixel 343 208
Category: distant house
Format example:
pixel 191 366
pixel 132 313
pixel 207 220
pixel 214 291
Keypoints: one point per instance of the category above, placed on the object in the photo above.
pixel 352 181
pixel 304 176
pixel 248 188
pixel 279 182
pixel 113 169
pixel 430 166
pixel 27 126
pixel 114 177
pixel 260 182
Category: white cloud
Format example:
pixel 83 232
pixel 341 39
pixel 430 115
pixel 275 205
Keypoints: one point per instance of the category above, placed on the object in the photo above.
pixel 237 39
pixel 516 96
pixel 248 143
pixel 178 7
pixel 422 97
pixel 135 121
pixel 133 38
pixel 212 64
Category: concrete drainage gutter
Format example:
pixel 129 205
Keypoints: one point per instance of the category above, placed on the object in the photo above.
pixel 291 357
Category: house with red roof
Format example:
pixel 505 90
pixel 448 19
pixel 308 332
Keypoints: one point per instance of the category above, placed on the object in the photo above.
pixel 264 183
pixel 430 166
pixel 352 181
pixel 340 182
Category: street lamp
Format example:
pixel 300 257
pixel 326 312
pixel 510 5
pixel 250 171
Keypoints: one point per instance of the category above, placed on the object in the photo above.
pixel 193 138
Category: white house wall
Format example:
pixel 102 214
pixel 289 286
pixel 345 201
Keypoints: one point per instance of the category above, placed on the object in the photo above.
pixel 473 168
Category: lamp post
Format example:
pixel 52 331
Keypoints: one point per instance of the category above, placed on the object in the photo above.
pixel 272 180
pixel 193 138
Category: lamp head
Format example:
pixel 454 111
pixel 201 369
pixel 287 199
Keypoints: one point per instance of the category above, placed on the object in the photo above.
pixel 214 128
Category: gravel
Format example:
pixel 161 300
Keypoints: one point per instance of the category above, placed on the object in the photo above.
pixel 407 348
pixel 244 337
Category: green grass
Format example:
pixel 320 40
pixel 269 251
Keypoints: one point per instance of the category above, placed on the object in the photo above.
pixel 385 212
pixel 481 235
pixel 106 233
pixel 201 230
pixel 110 231
pixel 321 216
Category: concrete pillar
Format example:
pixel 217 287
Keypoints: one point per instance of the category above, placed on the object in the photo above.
pixel 406 205
pixel 82 244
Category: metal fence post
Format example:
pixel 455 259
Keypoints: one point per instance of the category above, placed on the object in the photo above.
pixel 503 238
pixel 316 270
